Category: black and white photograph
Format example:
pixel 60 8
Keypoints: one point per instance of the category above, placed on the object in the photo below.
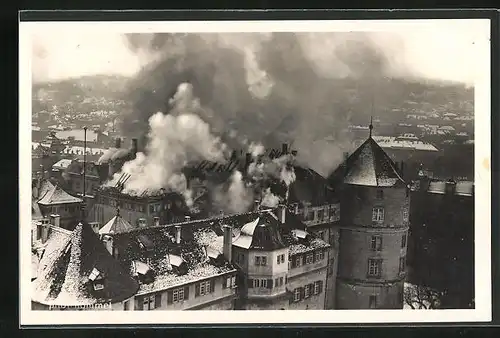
pixel 301 165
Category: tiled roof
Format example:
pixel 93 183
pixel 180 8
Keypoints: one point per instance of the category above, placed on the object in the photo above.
pixel 115 225
pixel 201 245
pixel 56 195
pixel 369 165
pixel 66 264
pixel 62 164
pixel 78 134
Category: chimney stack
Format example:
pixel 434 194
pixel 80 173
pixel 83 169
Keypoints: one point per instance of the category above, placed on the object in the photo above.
pixel 284 149
pixel 178 234
pixel 256 205
pixel 134 146
pixel 248 160
pixel 156 221
pixel 228 242
pixel 142 222
pixel 118 143
pixel 55 220
pixel 281 213
pixel 187 218
pixel 45 230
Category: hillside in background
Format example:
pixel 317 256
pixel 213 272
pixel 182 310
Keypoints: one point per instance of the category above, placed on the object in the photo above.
pixel 83 94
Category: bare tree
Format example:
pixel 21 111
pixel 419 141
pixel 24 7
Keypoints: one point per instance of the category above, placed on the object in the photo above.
pixel 418 297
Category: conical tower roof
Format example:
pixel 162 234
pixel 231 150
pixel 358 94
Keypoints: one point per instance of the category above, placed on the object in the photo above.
pixel 369 165
pixel 68 265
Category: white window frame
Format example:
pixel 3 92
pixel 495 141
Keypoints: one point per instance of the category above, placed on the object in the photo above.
pixel 296 295
pixel 320 255
pixel 307 292
pixel 376 267
pixel 309 258
pixel 256 283
pixel 233 281
pixel 204 288
pixel 377 240
pixel 378 214
pixel 178 295
pixel 148 303
pixel 406 215
pixel 263 283
pixel 316 288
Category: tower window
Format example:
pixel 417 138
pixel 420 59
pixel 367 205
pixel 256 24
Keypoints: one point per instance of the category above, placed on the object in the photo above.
pixel 378 214
pixel 403 241
pixel 374 267
pixel 402 264
pixel 380 194
pixel 376 243
pixel 373 302
pixel 405 215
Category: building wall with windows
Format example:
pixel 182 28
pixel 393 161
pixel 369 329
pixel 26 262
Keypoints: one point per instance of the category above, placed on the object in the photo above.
pixel 308 289
pixel 373 244
pixel 217 293
pixel 369 296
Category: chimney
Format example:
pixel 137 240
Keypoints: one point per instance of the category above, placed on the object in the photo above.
pixel 228 242
pixel 118 143
pixel 141 222
pixel 187 218
pixel 234 155
pixel 256 205
pixel 108 243
pixel 55 220
pixel 284 149
pixel 134 146
pixel 450 187
pixel 248 160
pixel 281 213
pixel 178 234
pixel 156 221
pixel 45 230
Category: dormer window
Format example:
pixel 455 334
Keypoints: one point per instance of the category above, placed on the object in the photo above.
pixel 97 279
pixel 94 274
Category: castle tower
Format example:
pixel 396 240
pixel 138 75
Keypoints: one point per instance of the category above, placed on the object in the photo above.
pixel 374 204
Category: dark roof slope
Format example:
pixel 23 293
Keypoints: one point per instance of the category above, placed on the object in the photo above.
pixel 369 165
pixel 66 264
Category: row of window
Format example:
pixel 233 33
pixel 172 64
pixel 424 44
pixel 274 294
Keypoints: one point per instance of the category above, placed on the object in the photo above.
pixel 309 258
pixel 307 291
pixel 378 214
pixel 322 214
pixel 375 266
pixel 65 208
pixel 178 295
pixel 262 260
pixel 376 242
pixel 263 283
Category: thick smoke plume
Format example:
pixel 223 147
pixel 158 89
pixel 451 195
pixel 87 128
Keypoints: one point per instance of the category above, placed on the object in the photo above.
pixel 236 197
pixel 174 141
pixel 269 88
pixel 269 199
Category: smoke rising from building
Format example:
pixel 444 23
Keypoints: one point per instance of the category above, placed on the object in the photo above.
pixel 269 199
pixel 270 88
pixel 174 141
pixel 234 197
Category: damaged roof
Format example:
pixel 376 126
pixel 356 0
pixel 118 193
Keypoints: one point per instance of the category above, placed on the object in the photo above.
pixel 63 275
pixel 369 165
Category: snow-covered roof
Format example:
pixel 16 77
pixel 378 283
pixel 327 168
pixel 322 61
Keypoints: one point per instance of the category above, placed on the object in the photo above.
pixel 391 142
pixel 115 225
pixel 61 164
pixel 369 165
pixel 66 265
pixel 56 195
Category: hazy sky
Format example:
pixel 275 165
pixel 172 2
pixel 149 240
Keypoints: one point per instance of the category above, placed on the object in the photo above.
pixel 444 50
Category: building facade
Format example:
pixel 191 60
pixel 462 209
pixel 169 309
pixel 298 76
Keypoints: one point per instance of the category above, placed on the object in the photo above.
pixel 373 230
